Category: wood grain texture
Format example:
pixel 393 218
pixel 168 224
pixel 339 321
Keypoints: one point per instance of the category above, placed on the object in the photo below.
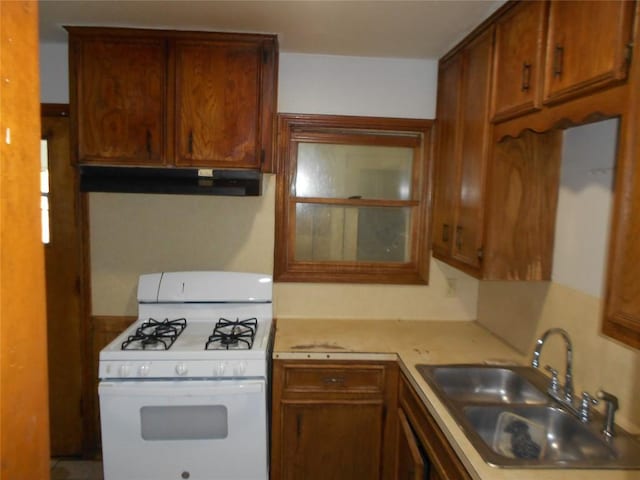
pixel 468 230
pixel 120 100
pixel 333 420
pixel 63 257
pixel 522 199
pixel 622 298
pixel 444 462
pixel 518 63
pixel 445 180
pixel 24 417
pixel 410 463
pixel 217 103
pixel 159 97
pixel 586 46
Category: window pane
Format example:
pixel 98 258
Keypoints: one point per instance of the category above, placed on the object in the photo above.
pixel 364 234
pixel 343 171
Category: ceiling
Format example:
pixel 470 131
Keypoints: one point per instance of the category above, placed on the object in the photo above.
pixel 373 28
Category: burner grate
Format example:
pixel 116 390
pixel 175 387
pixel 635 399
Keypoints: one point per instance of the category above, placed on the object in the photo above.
pixel 232 334
pixel 155 335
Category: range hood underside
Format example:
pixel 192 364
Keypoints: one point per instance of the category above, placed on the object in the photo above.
pixel 179 181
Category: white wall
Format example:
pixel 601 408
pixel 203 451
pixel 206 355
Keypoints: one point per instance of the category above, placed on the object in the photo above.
pixel 54 73
pixel 584 206
pixel 384 87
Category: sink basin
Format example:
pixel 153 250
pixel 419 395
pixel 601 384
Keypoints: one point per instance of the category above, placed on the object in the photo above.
pixel 562 439
pixel 507 415
pixel 484 384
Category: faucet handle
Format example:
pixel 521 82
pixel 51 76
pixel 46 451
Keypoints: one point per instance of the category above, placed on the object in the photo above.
pixel 555 384
pixel 585 406
pixel 608 398
pixel 611 402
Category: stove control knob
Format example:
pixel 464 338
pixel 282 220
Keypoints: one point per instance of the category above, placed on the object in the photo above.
pixel 239 368
pixel 144 370
pixel 181 369
pixel 219 368
pixel 125 370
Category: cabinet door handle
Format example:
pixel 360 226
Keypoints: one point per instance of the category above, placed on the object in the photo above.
pixel 526 76
pixel 558 60
pixel 445 233
pixel 298 426
pixel 190 142
pixel 149 150
pixel 459 237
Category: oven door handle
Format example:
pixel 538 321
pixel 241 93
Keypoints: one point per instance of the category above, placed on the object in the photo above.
pixel 180 388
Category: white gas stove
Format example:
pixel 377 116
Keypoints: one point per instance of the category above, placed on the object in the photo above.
pixel 185 387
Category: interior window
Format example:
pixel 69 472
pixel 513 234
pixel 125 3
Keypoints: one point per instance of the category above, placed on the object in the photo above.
pixel 352 199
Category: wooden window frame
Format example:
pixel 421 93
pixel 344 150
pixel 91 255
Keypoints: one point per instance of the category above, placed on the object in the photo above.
pixel 353 130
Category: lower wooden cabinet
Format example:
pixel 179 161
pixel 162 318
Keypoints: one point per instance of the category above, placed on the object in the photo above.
pixel 333 420
pixel 352 420
pixel 421 435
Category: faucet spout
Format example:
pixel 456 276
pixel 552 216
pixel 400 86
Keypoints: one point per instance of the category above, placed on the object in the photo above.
pixel 535 361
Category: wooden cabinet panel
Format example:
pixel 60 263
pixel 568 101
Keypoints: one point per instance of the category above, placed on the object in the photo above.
pixel 443 460
pixel 119 98
pixel 341 441
pixel 587 46
pixel 518 59
pixel 217 103
pixel 622 298
pixel 446 172
pixel 522 202
pixel 476 83
pixel 410 463
pixel 462 149
pixel 318 378
pixel 331 420
pixel 155 97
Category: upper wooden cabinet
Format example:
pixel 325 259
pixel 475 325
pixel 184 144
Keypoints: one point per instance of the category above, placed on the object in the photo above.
pixel 588 46
pixel 153 97
pixel 118 96
pixel 622 299
pixel 518 60
pixel 462 149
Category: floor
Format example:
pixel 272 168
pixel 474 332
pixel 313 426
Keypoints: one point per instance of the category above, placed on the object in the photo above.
pixel 65 469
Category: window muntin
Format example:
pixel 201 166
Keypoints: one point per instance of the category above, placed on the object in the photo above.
pixel 352 199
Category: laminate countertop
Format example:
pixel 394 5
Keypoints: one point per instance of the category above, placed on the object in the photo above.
pixel 415 342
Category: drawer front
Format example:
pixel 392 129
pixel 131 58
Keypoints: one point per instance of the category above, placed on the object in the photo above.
pixel 326 378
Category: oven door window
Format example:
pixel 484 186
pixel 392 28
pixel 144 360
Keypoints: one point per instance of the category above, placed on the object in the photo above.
pixel 188 422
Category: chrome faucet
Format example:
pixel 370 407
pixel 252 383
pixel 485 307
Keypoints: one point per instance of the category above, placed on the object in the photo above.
pixel 535 362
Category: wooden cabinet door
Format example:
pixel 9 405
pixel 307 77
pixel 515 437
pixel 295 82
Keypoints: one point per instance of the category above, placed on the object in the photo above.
pixel 474 128
pixel 336 440
pixel 446 163
pixel 410 463
pixel 218 99
pixel 118 90
pixel 587 46
pixel 518 60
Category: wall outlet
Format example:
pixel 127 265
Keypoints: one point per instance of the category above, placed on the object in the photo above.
pixel 452 287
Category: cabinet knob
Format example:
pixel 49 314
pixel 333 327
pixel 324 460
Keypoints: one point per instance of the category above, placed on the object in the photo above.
pixel 459 237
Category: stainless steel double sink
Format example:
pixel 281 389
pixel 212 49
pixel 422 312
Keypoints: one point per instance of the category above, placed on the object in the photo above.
pixel 512 422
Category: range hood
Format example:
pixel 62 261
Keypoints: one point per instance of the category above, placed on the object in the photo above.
pixel 180 181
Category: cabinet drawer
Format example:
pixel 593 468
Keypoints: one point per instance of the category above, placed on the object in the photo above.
pixel 334 378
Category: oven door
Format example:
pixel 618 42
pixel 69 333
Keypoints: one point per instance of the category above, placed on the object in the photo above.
pixel 189 429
